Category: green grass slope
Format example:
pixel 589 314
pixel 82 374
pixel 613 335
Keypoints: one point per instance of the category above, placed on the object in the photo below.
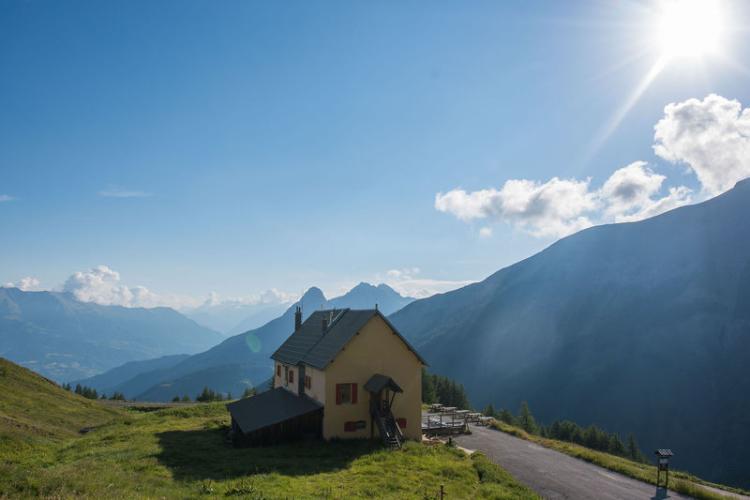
pixel 34 410
pixel 183 453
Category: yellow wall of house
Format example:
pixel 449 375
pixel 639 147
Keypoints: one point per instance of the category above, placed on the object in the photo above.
pixel 317 388
pixel 375 349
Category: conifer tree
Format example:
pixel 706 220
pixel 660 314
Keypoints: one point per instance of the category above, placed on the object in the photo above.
pixel 429 394
pixel 249 392
pixel 489 410
pixel 616 446
pixel 526 419
pixel 185 398
pixel 117 396
pixel 507 417
pixel 633 452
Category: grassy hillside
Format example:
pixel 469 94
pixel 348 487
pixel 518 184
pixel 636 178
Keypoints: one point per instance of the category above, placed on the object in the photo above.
pixel 182 452
pixel 34 410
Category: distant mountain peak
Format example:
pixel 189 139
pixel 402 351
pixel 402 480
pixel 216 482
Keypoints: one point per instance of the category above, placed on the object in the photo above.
pixel 361 285
pixel 313 298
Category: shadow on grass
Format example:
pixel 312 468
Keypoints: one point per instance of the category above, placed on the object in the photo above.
pixel 205 454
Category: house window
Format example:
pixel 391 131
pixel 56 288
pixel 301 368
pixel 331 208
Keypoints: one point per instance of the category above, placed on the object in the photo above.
pixel 278 370
pixel 291 376
pixel 346 394
pixel 286 375
pixel 308 382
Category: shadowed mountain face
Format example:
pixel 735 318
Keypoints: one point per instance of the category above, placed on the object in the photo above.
pixel 109 380
pixel 61 338
pixel 641 327
pixel 243 360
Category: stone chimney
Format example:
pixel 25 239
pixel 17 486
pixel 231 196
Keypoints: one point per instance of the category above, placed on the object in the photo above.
pixel 324 324
pixel 297 318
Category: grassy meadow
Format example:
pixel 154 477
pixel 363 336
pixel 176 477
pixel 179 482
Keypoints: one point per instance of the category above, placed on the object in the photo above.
pixel 55 444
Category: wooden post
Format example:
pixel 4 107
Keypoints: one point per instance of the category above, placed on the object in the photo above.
pixel 442 492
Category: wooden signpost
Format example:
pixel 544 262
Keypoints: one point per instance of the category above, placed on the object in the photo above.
pixel 662 464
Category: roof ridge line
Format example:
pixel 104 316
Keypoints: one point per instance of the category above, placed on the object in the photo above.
pixel 320 339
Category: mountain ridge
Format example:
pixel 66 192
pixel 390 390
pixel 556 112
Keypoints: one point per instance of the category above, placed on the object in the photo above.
pixel 615 326
pixel 243 360
pixel 64 339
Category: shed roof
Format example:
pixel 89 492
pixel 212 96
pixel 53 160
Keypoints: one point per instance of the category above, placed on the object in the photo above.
pixel 270 407
pixel 314 346
pixel 379 382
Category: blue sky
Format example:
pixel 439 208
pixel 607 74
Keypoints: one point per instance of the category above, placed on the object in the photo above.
pixel 242 146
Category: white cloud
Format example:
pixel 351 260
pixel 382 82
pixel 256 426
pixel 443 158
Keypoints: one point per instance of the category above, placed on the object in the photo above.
pixel 555 208
pixel 630 187
pixel 268 297
pixel 403 273
pixel 558 207
pixel 116 192
pixel 5 197
pixel 628 194
pixel 103 285
pixel 677 197
pixel 711 137
pixel 27 284
pixel 408 283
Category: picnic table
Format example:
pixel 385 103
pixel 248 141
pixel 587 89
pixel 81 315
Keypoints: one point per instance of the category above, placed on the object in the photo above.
pixel 483 420
pixel 474 417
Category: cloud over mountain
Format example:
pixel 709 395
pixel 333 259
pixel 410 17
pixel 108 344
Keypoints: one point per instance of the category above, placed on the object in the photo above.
pixel 410 283
pixel 710 136
pixel 632 193
pixel 102 285
pixel 27 284
pixel 554 208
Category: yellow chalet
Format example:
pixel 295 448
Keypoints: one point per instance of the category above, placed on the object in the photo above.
pixel 344 374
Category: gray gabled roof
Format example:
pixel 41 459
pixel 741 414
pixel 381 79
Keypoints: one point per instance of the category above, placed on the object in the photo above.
pixel 269 408
pixel 313 346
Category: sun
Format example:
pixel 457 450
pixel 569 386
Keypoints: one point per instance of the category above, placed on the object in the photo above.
pixel 689 28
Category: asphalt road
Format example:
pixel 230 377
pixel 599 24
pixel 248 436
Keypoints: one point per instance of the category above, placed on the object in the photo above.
pixel 554 475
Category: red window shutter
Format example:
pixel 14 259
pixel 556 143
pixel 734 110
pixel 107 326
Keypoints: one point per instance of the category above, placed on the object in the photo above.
pixel 401 422
pixel 278 370
pixel 338 394
pixel 354 394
